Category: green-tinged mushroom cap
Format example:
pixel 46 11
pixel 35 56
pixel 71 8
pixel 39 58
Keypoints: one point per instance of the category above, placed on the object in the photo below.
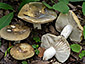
pixel 36 13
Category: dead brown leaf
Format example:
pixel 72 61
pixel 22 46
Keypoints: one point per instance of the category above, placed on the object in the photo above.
pixel 41 50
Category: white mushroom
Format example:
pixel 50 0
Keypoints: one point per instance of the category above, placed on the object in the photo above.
pixel 57 45
pixel 70 19
pixel 67 31
pixel 36 13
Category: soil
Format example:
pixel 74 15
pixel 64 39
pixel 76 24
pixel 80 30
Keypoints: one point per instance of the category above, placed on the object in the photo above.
pixel 46 28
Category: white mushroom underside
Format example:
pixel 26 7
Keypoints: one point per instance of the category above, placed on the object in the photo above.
pixel 68 19
pixel 59 43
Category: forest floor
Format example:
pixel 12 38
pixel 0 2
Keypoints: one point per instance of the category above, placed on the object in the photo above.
pixel 46 28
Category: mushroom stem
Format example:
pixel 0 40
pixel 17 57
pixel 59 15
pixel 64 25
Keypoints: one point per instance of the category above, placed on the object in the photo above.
pixel 49 53
pixel 66 31
pixel 17 42
pixel 38 26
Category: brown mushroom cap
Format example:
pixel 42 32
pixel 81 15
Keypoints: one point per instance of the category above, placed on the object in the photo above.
pixel 70 19
pixel 36 12
pixel 22 51
pixel 15 32
pixel 59 43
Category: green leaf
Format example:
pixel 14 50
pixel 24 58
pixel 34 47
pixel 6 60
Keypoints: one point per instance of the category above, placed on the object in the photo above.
pixel 37 39
pixel 76 47
pixel 5 20
pixel 84 32
pixel 5 6
pixel 5 53
pixel 61 7
pixel 35 46
pixel 83 8
pixel 21 5
pixel 47 5
pixel 8 50
pixel 37 51
pixel 75 0
pixel 53 1
pixel 64 1
pixel 82 54
pixel 24 62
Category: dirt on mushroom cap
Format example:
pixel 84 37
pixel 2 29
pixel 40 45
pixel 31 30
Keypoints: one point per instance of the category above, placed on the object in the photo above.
pixel 22 51
pixel 40 13
pixel 15 34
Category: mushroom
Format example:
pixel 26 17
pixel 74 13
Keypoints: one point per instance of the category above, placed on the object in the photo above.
pixel 71 19
pixel 36 13
pixel 15 32
pixel 22 51
pixel 57 45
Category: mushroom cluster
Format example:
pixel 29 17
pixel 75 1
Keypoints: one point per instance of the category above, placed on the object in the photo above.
pixel 36 13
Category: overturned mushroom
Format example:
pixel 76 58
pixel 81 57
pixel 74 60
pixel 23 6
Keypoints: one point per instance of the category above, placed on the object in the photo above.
pixel 22 51
pixel 57 45
pixel 70 19
pixel 36 13
pixel 15 32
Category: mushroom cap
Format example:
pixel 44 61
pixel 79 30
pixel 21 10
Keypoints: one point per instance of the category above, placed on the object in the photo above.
pixel 71 19
pixel 15 32
pixel 22 51
pixel 59 43
pixel 36 12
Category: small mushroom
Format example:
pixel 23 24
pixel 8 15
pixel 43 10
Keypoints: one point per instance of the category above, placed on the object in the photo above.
pixel 70 19
pixel 22 51
pixel 57 45
pixel 15 32
pixel 36 13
